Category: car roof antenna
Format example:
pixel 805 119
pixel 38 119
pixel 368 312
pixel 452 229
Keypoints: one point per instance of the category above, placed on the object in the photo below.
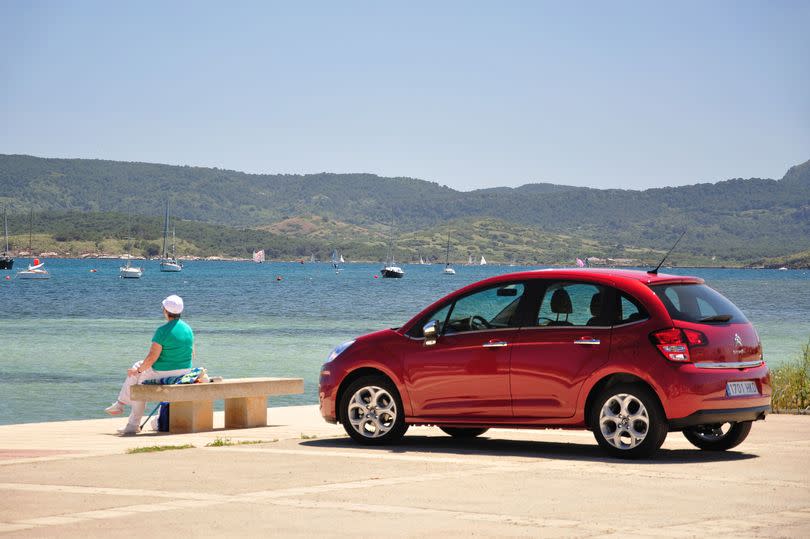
pixel 655 271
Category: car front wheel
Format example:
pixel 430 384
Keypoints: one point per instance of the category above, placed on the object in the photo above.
pixel 371 411
pixel 718 437
pixel 627 421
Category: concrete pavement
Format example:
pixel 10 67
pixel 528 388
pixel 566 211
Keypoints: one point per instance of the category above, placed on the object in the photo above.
pixel 74 479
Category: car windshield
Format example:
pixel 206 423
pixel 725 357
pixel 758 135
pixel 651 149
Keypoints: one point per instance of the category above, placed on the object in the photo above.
pixel 697 303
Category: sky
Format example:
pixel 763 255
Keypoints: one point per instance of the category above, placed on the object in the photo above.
pixel 468 94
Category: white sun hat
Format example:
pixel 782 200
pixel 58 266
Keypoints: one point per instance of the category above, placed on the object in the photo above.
pixel 173 304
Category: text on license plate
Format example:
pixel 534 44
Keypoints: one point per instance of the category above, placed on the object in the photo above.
pixel 737 389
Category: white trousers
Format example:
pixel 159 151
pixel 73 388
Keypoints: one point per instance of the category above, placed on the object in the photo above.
pixel 138 407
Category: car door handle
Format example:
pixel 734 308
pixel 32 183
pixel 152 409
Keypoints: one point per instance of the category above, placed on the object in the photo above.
pixel 588 340
pixel 495 344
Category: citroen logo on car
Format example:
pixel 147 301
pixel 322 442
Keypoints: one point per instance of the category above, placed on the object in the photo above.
pixel 738 340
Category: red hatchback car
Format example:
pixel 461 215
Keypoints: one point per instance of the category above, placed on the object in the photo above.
pixel 629 355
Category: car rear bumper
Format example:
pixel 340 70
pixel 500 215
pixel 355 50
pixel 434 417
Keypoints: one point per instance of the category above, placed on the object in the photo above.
pixel 710 417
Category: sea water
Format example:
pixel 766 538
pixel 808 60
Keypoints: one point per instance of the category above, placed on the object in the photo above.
pixel 66 343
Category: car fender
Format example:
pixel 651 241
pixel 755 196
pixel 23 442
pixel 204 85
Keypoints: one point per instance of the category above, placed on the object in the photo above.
pixel 609 370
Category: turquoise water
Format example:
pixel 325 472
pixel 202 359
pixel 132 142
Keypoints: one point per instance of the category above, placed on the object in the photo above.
pixel 67 342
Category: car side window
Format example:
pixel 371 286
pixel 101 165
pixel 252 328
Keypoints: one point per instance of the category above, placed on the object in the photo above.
pixel 630 310
pixel 491 308
pixel 572 304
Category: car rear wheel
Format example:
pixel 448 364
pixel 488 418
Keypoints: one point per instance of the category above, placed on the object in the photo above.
pixel 628 421
pixel 463 432
pixel 371 411
pixel 718 437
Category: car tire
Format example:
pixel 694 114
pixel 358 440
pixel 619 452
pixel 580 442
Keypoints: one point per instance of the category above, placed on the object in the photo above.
pixel 712 437
pixel 463 432
pixel 371 411
pixel 628 421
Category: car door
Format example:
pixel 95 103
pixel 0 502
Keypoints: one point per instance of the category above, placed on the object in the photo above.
pixel 552 358
pixel 466 372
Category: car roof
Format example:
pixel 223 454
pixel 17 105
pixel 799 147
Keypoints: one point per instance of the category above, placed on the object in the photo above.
pixel 597 274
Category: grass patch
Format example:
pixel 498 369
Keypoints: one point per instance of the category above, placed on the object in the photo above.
pixel 791 385
pixel 158 448
pixel 220 442
pixel 307 436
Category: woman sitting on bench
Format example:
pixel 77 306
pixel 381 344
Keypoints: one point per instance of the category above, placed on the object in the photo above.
pixel 170 355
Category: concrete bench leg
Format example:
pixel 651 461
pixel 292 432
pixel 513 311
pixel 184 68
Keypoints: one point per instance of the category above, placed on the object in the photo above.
pixel 245 412
pixel 191 416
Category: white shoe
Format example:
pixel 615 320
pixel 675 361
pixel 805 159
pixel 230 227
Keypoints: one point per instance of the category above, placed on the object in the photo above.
pixel 115 408
pixel 129 430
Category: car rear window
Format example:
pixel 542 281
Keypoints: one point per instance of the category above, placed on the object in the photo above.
pixel 697 303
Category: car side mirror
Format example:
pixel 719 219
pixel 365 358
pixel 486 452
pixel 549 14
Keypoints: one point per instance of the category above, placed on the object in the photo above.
pixel 431 332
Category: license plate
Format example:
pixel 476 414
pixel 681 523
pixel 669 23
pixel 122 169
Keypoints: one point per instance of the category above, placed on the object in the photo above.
pixel 739 389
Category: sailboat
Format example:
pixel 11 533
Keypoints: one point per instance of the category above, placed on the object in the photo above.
pixel 391 270
pixel 168 263
pixel 448 270
pixel 483 261
pixel 37 269
pixel 128 271
pixel 337 259
pixel 258 256
pixel 6 260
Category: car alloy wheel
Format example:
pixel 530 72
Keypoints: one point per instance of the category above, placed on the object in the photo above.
pixel 624 421
pixel 371 411
pixel 628 421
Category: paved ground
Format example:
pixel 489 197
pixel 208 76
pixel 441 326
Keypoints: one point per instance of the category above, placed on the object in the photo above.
pixel 74 479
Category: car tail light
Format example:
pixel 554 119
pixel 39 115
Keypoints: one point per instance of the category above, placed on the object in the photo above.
pixel 674 343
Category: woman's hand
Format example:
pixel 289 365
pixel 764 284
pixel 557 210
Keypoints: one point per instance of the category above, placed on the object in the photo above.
pixel 133 371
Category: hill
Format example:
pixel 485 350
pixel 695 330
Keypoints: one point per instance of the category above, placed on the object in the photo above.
pixel 737 221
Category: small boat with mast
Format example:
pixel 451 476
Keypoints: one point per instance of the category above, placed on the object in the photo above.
pixel 128 271
pixel 169 263
pixel 36 270
pixel 448 269
pixel 391 270
pixel 6 260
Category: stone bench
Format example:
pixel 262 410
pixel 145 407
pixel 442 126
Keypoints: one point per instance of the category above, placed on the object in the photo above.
pixel 192 408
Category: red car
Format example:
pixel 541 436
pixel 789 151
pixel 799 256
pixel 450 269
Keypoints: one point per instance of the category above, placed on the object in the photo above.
pixel 629 355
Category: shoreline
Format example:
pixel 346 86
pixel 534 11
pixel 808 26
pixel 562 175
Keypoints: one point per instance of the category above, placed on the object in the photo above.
pixel 53 256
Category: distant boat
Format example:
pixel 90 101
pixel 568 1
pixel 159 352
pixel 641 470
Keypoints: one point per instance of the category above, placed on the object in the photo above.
pixel 337 259
pixel 391 270
pixel 128 271
pixel 783 268
pixel 448 270
pixel 6 260
pixel 34 271
pixel 483 261
pixel 169 263
pixel 469 260
pixel 312 258
pixel 258 256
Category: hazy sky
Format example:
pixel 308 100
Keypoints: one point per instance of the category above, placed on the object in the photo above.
pixel 468 94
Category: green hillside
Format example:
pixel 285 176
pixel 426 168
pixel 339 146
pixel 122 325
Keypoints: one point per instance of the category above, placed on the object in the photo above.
pixel 730 222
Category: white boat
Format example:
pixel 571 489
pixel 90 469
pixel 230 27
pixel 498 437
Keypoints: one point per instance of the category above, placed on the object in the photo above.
pixel 258 256
pixel 448 270
pixel 169 263
pixel 483 261
pixel 783 268
pixel 34 271
pixel 128 271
